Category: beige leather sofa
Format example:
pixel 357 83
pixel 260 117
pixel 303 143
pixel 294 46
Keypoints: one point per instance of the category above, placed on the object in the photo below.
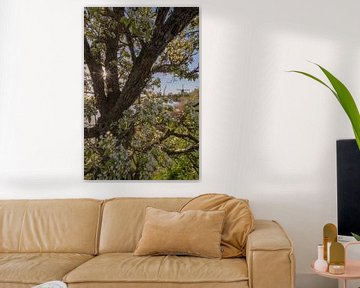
pixel 89 243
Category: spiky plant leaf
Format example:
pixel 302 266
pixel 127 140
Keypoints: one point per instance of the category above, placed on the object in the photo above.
pixel 356 236
pixel 344 97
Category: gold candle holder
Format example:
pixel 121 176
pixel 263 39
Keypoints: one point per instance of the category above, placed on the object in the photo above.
pixel 329 237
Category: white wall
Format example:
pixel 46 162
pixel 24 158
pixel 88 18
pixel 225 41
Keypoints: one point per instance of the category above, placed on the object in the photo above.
pixel 266 135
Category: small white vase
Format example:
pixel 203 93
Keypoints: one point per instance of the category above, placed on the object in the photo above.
pixel 320 264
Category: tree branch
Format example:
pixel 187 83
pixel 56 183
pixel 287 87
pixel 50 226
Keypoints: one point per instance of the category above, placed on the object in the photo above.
pixel 130 43
pixel 161 16
pixel 141 69
pixel 182 151
pixel 111 61
pixel 91 132
pixel 96 75
pixel 169 67
pixel 174 24
pixel 182 136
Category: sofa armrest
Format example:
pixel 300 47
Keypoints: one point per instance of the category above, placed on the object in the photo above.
pixel 269 256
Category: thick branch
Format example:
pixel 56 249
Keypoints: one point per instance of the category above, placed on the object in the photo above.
pixel 111 61
pixel 141 69
pixel 174 24
pixel 96 74
pixel 161 16
pixel 100 128
pixel 91 132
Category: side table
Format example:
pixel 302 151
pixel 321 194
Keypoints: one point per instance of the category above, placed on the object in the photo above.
pixel 352 268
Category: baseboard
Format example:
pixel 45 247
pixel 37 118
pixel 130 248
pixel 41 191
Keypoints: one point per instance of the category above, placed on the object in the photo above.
pixel 310 280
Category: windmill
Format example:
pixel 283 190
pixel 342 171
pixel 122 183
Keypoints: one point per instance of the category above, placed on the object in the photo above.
pixel 182 90
pixel 163 86
pixel 164 91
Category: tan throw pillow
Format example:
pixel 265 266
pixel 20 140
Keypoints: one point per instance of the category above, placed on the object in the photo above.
pixel 196 233
pixel 239 220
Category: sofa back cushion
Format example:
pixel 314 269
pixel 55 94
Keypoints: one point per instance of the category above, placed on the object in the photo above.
pixel 67 226
pixel 123 220
pixel 238 224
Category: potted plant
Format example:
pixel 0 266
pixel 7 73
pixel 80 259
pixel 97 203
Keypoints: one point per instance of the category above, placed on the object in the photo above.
pixel 347 102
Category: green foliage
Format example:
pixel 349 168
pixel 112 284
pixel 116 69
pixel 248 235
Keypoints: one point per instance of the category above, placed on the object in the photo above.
pixel 344 97
pixel 154 141
pixel 181 169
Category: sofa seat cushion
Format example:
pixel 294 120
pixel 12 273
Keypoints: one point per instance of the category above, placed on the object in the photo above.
pixel 127 268
pixel 36 268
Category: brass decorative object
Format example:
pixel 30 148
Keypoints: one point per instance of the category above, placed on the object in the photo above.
pixel 337 253
pixel 337 258
pixel 336 269
pixel 330 236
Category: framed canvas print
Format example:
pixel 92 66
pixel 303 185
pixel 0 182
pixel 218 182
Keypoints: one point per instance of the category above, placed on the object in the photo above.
pixel 141 93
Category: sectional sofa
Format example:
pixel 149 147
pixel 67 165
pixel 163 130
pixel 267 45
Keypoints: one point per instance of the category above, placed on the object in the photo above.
pixel 90 243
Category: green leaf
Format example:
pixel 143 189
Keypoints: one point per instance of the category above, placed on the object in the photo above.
pixel 357 137
pixel 316 79
pixel 125 21
pixel 356 236
pixel 344 97
pixel 346 100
